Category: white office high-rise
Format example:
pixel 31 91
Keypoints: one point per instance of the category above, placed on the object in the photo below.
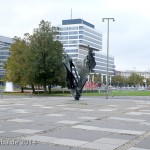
pixel 76 35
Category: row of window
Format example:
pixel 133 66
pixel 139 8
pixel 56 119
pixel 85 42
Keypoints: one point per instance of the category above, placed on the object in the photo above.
pixel 71 50
pixel 103 56
pixel 90 35
pixel 4 48
pixel 80 32
pixel 80 37
pixel 104 60
pixel 91 31
pixel 5 53
pixel 3 57
pixel 68 33
pixel 76 28
pixel 69 28
pixel 103 68
pixel 104 64
pixel 90 39
pixel 103 71
pixel 82 41
pixel 91 44
pixel 73 55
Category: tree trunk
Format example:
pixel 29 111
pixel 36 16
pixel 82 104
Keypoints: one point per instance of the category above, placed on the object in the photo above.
pixel 44 85
pixel 33 89
pixel 49 88
pixel 22 89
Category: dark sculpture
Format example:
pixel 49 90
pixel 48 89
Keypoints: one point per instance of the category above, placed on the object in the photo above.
pixel 77 73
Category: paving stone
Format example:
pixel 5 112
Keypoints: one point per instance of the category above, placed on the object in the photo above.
pixel 26 131
pixel 144 144
pixel 67 122
pixel 136 148
pixel 47 107
pixel 2 131
pixel 20 120
pixel 23 111
pixel 99 146
pixel 40 138
pixel 121 136
pixel 56 115
pixel 126 119
pixel 109 130
pixel 71 109
pixel 86 110
pixel 111 141
pixel 38 105
pixel 145 123
pixel 77 134
pixel 69 142
pixel 87 118
pixel 107 109
pixel 134 113
pixel 138 107
pixel 61 105
pixel 36 147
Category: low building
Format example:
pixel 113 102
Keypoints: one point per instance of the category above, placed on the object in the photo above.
pixel 127 73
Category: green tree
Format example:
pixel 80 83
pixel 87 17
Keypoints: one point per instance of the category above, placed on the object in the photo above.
pixel 97 77
pixel 118 80
pixel 135 79
pixel 45 56
pixel 16 64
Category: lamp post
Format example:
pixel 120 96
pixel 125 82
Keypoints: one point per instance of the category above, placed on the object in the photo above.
pixel 108 19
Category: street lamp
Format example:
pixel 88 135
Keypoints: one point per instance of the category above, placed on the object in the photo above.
pixel 108 19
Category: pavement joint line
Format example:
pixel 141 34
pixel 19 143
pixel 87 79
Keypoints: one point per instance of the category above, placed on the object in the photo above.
pixel 134 141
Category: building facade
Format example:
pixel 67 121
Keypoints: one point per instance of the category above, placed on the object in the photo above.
pixel 5 44
pixel 76 35
pixel 127 73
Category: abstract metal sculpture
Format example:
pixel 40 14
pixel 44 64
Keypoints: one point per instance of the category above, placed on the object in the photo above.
pixel 77 73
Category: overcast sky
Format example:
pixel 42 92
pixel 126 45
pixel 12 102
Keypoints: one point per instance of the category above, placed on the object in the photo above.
pixel 129 34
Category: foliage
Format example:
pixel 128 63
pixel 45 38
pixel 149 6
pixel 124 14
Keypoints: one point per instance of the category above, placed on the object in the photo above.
pixel 135 79
pixel 118 80
pixel 37 59
pixel 46 56
pixel 97 78
pixel 15 65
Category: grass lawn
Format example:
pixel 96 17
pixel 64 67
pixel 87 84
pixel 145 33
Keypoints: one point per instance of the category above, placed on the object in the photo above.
pixel 121 93
pixel 114 93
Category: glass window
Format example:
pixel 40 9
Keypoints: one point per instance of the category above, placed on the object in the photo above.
pixel 64 29
pixel 73 37
pixel 73 32
pixel 80 36
pixel 63 33
pixel 63 37
pixel 73 45
pixel 73 28
pixel 71 50
pixel 73 41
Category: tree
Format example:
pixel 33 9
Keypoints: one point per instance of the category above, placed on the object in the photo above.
pixel 97 78
pixel 135 79
pixel 118 80
pixel 45 56
pixel 16 64
pixel 36 59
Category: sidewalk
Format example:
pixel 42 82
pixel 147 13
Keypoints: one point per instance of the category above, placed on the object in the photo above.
pixel 60 123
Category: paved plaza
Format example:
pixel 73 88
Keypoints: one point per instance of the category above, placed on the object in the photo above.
pixel 60 123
